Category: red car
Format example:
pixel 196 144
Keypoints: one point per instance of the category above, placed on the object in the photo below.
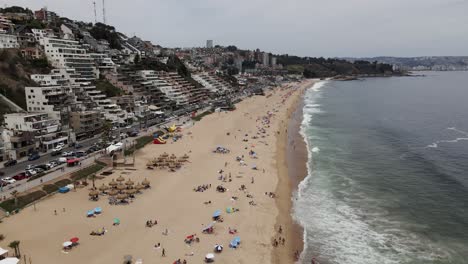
pixel 20 176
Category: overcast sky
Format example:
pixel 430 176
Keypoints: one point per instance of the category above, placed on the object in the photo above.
pixel 326 28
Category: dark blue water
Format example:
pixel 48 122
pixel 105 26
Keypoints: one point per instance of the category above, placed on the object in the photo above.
pixel 388 171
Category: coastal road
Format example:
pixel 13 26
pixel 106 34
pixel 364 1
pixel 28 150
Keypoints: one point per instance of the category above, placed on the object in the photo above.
pixel 46 157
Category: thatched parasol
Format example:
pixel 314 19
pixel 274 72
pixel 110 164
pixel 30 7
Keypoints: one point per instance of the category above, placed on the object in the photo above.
pixel 120 179
pixel 103 187
pixel 185 156
pixel 173 156
pixel 122 196
pixel 113 192
pixel 113 183
pixel 121 187
pixel 129 182
pixel 139 186
pixel 145 182
pixel 131 191
pixel 93 193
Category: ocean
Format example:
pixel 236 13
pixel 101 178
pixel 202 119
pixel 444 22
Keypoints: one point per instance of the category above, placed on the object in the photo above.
pixel 387 170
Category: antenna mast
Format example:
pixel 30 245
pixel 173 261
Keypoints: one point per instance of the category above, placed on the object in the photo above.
pixel 95 15
pixel 104 11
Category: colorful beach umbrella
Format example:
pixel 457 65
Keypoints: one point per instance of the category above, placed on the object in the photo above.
pixel 67 244
pixel 74 240
pixel 217 213
pixel 116 221
pixel 98 210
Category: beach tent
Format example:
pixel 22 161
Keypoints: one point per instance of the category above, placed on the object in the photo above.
pixel 217 213
pixel 90 213
pixel 235 242
pixel 9 261
pixel 98 210
pixel 67 244
pixel 209 257
pixel 64 190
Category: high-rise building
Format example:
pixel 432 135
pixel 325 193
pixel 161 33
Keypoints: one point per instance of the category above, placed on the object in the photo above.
pixel 273 61
pixel 209 44
pixel 266 59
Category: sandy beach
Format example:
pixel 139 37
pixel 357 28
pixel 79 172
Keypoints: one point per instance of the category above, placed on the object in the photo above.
pixel 176 206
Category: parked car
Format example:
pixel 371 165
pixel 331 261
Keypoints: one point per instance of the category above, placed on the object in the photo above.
pixel 31 172
pixel 41 166
pixel 133 133
pixel 56 152
pixel 78 146
pixel 20 176
pixel 67 154
pixel 10 163
pixel 80 154
pixel 30 167
pixel 58 148
pixel 123 135
pixel 39 170
pixel 9 180
pixel 34 156
pixel 62 160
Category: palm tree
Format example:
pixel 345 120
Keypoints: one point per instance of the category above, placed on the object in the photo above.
pixel 15 194
pixel 15 245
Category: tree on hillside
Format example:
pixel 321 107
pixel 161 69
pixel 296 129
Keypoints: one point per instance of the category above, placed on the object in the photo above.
pixel 16 9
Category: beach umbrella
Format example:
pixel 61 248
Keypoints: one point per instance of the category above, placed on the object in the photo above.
pixel 113 192
pixel 217 213
pixel 113 183
pixel 229 210
pixel 139 186
pixel 98 210
pixel 122 196
pixel 120 179
pixel 131 191
pixel 218 248
pixel 116 221
pixel 237 239
pixel 103 187
pixel 129 182
pixel 67 244
pixel 209 256
pixel 121 187
pixel 93 193
pixel 90 213
pixel 74 240
pixel 145 182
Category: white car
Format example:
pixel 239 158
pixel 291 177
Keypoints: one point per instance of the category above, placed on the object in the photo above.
pixel 50 165
pixel 67 154
pixel 58 148
pixel 32 172
pixel 9 180
pixel 30 167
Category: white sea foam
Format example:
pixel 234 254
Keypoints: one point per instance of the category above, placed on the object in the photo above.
pixel 315 149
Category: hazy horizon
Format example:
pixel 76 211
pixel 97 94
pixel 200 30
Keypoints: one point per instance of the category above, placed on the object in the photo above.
pixel 337 28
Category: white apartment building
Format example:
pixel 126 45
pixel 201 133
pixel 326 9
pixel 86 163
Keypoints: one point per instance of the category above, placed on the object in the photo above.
pixel 8 41
pixel 103 62
pixel 64 53
pixel 212 83
pixel 25 132
pixel 156 80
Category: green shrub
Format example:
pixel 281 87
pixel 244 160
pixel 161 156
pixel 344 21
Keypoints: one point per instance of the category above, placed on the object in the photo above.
pixel 9 205
pixel 63 183
pixel 37 176
pixel 50 188
pixel 200 116
pixel 83 173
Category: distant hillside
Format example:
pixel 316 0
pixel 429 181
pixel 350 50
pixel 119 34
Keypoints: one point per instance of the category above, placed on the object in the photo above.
pixel 436 63
pixel 15 74
pixel 322 68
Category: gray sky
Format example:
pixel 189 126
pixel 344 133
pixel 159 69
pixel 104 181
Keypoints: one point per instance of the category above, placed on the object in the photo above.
pixel 326 28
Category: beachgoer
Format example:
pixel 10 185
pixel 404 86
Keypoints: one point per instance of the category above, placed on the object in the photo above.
pixel 163 252
pixel 55 212
pixel 64 209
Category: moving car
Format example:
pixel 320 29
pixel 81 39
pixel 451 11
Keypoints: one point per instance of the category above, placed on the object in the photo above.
pixel 10 163
pixel 34 156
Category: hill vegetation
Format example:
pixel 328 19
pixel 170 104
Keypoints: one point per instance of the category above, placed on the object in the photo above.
pixel 322 68
pixel 15 74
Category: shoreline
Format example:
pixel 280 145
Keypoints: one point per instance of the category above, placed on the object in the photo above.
pixel 291 159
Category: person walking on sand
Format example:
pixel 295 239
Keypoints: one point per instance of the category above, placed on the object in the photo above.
pixel 163 252
pixel 55 212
